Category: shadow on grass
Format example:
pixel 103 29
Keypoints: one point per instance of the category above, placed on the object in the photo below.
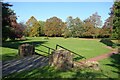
pixel 88 75
pixel 27 63
pixel 77 58
pixel 16 40
pixel 107 42
pixel 9 56
pixel 115 59
pixel 44 72
pixel 50 72
pixel 16 44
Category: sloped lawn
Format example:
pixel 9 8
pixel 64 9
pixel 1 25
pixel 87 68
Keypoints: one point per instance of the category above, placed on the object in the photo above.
pixel 87 48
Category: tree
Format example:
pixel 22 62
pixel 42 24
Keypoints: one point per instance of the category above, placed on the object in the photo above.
pixel 33 27
pixel 54 27
pixel 10 27
pixel 74 26
pixel 23 27
pixel 6 12
pixel 69 27
pixel 116 20
pixel 106 30
pixel 42 25
pixel 95 19
pixel 77 29
pixel 69 22
pixel 88 29
pixel 67 33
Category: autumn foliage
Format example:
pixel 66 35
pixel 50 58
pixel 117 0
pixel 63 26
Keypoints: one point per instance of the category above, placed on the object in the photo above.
pixel 10 28
pixel 55 27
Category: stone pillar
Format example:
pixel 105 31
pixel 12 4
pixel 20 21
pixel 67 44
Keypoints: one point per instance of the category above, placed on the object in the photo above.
pixel 61 59
pixel 26 50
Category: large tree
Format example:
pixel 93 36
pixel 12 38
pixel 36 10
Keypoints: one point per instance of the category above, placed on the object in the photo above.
pixel 10 28
pixel 77 29
pixel 69 22
pixel 106 30
pixel 88 29
pixel 42 25
pixel 75 26
pixel 33 27
pixel 116 20
pixel 95 19
pixel 54 27
pixel 69 27
pixel 6 12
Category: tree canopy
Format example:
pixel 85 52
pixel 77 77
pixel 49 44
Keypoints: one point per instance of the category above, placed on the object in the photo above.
pixel 33 27
pixel 95 19
pixel 116 20
pixel 54 27
pixel 10 28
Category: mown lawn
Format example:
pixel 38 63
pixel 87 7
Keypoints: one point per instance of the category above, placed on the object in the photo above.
pixel 110 67
pixel 87 48
pixel 50 72
pixel 109 70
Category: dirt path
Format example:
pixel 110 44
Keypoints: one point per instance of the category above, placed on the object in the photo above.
pixel 23 64
pixel 103 56
pixel 100 57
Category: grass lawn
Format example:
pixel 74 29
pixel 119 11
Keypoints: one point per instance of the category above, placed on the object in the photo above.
pixel 111 66
pixel 108 70
pixel 87 48
pixel 50 72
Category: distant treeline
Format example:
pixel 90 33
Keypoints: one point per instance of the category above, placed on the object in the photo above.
pixel 73 27
pixel 55 27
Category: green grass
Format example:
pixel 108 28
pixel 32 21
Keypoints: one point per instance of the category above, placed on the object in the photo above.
pixel 86 48
pixel 111 66
pixel 50 72
pixel 108 71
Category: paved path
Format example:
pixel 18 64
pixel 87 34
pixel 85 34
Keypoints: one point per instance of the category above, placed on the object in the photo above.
pixel 26 63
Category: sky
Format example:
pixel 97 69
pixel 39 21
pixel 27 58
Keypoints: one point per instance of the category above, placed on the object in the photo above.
pixel 58 0
pixel 46 10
